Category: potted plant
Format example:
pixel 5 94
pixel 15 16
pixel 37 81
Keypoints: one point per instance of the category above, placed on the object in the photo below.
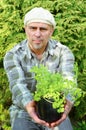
pixel 51 92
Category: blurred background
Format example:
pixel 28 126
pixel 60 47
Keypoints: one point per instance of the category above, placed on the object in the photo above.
pixel 70 16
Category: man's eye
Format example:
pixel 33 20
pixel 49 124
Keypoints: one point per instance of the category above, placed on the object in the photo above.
pixel 32 28
pixel 35 28
pixel 43 29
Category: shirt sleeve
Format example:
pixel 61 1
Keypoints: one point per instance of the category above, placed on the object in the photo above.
pixel 21 95
pixel 67 63
pixel 67 67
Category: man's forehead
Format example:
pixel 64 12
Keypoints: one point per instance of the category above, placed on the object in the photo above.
pixel 38 24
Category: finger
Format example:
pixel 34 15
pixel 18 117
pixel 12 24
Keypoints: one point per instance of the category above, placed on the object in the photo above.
pixel 56 123
pixel 59 121
pixel 42 122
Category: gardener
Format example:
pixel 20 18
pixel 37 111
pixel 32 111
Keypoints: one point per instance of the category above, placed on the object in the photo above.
pixel 37 49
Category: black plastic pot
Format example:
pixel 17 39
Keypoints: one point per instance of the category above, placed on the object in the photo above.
pixel 47 112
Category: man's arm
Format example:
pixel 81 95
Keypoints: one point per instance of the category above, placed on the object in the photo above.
pixel 66 68
pixel 20 93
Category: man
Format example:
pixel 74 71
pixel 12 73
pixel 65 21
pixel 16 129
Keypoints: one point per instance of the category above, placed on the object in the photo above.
pixel 37 49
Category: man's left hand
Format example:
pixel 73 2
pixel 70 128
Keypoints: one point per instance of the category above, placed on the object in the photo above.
pixel 67 109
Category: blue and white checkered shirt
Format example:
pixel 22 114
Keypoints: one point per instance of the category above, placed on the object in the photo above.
pixel 18 62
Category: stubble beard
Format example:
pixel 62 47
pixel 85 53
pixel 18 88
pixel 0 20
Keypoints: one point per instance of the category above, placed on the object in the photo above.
pixel 37 47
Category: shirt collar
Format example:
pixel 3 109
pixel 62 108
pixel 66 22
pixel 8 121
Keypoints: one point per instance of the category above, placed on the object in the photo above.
pixel 51 46
pixel 49 50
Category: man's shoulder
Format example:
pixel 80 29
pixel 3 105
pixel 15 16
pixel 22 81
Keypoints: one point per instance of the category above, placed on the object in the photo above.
pixel 58 47
pixel 55 43
pixel 17 50
pixel 19 46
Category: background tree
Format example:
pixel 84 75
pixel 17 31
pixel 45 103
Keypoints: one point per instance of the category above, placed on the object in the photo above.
pixel 70 30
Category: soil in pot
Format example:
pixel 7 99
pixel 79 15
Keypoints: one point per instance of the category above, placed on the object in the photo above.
pixel 47 112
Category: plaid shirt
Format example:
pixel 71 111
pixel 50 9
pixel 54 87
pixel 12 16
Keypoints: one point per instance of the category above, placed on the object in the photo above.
pixel 18 62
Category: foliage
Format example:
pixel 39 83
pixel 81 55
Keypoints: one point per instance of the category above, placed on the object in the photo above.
pixel 70 30
pixel 5 101
pixel 4 116
pixel 56 87
pixel 80 126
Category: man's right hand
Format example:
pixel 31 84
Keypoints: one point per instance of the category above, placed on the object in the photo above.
pixel 31 109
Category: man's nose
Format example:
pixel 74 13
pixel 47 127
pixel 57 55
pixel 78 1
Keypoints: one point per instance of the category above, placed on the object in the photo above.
pixel 38 33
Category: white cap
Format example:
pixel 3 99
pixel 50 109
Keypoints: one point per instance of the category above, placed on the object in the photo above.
pixel 39 14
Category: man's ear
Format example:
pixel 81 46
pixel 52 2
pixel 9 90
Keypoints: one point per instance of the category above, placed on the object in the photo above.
pixel 25 28
pixel 51 32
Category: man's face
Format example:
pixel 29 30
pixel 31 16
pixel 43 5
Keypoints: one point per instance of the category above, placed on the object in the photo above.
pixel 38 34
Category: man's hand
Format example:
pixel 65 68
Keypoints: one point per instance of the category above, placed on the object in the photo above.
pixel 68 108
pixel 31 109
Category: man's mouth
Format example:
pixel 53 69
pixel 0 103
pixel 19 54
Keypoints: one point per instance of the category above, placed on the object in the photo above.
pixel 37 41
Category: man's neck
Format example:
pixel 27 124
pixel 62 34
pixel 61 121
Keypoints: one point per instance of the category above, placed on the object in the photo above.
pixel 37 52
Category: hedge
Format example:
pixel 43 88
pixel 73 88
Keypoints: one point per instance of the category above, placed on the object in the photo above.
pixel 70 30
